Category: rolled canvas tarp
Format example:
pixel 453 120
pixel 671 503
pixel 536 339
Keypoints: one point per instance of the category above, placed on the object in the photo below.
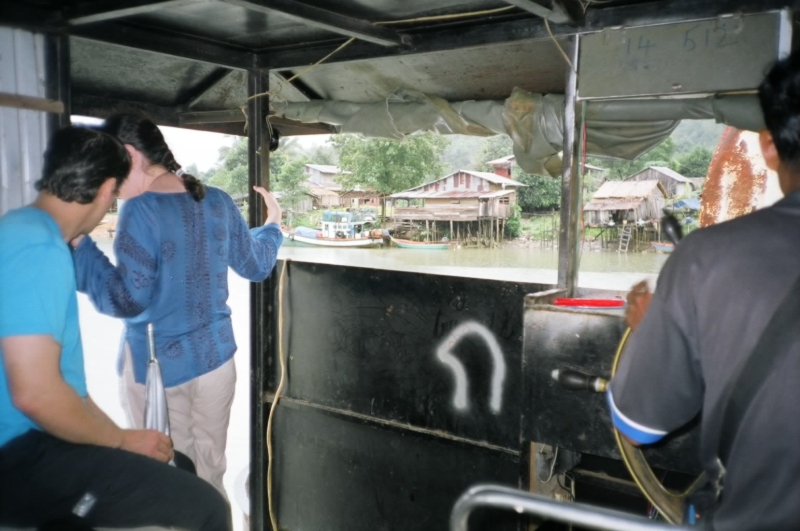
pixel 623 129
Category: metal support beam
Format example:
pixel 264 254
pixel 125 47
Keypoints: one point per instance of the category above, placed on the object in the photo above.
pixel 262 301
pixel 327 20
pixel 574 10
pixel 102 107
pixel 166 43
pixel 91 12
pixel 571 186
pixel 298 85
pixel 196 93
pixel 549 9
pixel 287 127
pixel 57 79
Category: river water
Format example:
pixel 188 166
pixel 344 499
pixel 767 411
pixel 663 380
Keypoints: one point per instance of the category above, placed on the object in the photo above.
pixel 602 270
pixel 101 334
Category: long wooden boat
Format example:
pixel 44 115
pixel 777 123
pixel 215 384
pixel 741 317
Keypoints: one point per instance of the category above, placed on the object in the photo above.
pixel 663 247
pixel 408 244
pixel 292 237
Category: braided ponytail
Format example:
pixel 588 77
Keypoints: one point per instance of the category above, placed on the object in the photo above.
pixel 192 184
pixel 146 137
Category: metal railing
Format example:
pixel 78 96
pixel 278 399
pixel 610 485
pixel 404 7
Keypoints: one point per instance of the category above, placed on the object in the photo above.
pixel 521 502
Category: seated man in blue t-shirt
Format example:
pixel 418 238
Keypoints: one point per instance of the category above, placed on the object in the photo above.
pixel 62 460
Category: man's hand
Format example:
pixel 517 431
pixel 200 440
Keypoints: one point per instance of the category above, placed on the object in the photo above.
pixel 149 443
pixel 638 301
pixel 37 388
pixel 273 208
pixel 76 241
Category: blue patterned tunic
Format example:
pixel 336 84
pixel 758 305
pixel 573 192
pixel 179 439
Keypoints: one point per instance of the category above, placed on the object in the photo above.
pixel 173 255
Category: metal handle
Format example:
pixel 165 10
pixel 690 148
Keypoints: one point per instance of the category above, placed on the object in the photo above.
pixel 579 381
pixel 151 341
pixel 672 228
pixel 587 516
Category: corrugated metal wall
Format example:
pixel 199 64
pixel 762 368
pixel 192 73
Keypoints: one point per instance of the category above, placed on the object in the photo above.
pixel 23 133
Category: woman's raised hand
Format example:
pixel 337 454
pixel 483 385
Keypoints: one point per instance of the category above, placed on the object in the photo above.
pixel 273 208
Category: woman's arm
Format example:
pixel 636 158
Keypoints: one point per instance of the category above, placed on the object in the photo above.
pixel 127 289
pixel 253 252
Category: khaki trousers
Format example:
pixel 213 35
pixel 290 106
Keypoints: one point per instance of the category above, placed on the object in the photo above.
pixel 199 411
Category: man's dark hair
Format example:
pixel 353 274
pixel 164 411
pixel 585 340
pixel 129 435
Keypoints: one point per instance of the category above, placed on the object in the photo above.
pixel 78 160
pixel 780 101
pixel 146 137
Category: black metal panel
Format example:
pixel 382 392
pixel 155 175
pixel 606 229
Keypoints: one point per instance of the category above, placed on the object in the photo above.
pixel 336 473
pixel 557 338
pixel 369 341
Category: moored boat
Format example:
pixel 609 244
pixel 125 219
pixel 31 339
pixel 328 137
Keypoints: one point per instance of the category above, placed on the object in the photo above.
pixel 663 247
pixel 409 244
pixel 339 229
pixel 294 237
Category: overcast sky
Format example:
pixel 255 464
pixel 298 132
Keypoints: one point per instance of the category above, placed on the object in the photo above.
pixel 198 147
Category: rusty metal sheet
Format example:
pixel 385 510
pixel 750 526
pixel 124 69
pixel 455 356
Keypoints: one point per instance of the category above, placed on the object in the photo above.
pixel 739 181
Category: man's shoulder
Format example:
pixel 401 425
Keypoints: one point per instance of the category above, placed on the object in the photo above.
pixel 29 227
pixel 736 235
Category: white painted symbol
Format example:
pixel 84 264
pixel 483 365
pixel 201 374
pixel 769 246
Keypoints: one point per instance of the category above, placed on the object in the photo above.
pixel 445 355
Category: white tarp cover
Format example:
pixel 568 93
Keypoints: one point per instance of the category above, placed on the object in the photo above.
pixel 623 129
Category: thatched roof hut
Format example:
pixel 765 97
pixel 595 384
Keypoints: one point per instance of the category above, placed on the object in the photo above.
pixel 631 201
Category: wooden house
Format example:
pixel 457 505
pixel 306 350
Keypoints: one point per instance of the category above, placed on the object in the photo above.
pixel 675 184
pixel 306 204
pixel 616 202
pixel 361 198
pixel 323 197
pixel 324 175
pixel 471 204
pixel 461 196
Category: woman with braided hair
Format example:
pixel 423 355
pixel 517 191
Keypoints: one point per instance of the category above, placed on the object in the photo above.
pixel 175 240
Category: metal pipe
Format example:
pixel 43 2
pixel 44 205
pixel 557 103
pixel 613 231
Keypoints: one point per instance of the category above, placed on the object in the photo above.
pixel 58 80
pixel 586 516
pixel 571 186
pixel 258 175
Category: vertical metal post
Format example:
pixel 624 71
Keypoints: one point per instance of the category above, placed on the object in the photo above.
pixel 57 79
pixel 261 297
pixel 571 185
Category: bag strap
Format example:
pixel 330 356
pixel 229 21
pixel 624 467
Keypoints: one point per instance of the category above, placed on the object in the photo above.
pixel 773 344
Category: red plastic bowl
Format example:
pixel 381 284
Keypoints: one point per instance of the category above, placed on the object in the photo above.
pixel 590 303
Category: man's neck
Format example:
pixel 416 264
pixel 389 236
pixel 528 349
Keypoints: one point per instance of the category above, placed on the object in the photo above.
pixel 68 216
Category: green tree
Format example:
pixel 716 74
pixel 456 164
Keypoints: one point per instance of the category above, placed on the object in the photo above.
pixel 695 163
pixel 542 191
pixel 618 170
pixel 290 181
pixel 231 173
pixel 692 133
pixel 389 166
pixel 324 155
pixel 494 147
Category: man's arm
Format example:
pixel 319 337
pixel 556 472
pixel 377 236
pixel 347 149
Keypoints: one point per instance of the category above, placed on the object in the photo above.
pixel 638 301
pixel 38 390
pixel 658 384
